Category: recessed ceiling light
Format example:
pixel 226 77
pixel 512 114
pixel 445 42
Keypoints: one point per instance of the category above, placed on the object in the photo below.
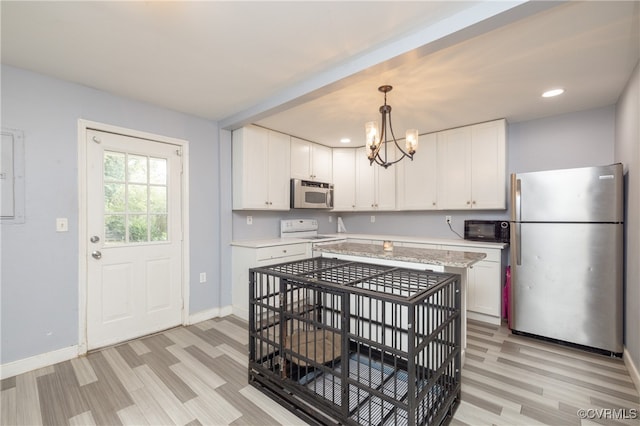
pixel 553 92
pixel 345 140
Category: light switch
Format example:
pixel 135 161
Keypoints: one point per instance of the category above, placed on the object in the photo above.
pixel 62 224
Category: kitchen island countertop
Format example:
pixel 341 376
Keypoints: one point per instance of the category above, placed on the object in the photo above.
pixel 447 258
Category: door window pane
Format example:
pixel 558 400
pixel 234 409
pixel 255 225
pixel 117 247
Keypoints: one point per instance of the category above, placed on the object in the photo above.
pixel 158 227
pixel 114 198
pixel 114 166
pixel 114 229
pixel 158 199
pixel 137 169
pixel 158 171
pixel 137 199
pixel 138 229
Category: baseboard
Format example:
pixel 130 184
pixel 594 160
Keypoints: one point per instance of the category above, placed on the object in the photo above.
pixel 209 314
pixel 631 368
pixel 14 368
pixel 226 310
pixel 484 318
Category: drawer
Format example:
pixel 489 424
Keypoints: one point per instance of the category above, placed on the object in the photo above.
pixel 275 252
pixel 493 255
pixel 417 245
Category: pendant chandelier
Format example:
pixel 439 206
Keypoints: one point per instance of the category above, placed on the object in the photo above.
pixel 377 141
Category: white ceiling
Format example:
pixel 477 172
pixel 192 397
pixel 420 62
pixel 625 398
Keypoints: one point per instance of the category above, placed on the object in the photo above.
pixel 312 69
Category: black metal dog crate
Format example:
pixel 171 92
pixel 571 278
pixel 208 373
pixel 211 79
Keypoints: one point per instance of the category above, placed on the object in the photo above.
pixel 347 342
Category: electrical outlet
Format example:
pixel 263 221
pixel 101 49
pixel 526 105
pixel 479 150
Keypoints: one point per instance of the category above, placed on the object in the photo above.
pixel 62 224
pixel 373 219
pixel 249 220
pixel 447 219
pixel 203 277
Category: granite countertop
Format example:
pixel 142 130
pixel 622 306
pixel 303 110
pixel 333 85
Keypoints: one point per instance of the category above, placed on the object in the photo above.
pixel 456 259
pixel 269 242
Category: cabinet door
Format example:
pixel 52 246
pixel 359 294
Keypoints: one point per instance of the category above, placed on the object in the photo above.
pixel 416 180
pixel 321 163
pixel 300 154
pixel 488 185
pixel 250 168
pixel 344 179
pixel 365 181
pixel 484 288
pixel 279 171
pixel 454 164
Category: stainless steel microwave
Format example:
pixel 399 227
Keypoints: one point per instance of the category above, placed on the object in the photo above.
pixel 308 194
pixel 494 231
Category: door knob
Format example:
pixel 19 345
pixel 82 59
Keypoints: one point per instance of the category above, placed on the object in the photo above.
pixel 96 254
pixel 94 239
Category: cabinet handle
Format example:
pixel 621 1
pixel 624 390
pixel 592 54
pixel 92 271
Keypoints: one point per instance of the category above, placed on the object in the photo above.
pixel 473 202
pixel 433 204
pixel 468 202
pixel 284 251
pixel 266 202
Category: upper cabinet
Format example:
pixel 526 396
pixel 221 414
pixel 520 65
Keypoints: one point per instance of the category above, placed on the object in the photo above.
pixel 456 169
pixel 472 167
pixel 344 179
pixel 261 162
pixel 417 179
pixel 310 161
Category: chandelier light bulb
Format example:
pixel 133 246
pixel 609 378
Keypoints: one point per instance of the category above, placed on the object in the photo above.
pixel 371 134
pixel 411 140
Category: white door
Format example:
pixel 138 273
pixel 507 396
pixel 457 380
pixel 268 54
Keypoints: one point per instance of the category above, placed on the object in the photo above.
pixel 134 223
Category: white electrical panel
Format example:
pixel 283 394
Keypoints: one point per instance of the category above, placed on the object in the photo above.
pixel 12 176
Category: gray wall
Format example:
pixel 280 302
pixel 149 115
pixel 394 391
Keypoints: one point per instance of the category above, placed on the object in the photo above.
pixel 577 139
pixel 627 151
pixel 39 293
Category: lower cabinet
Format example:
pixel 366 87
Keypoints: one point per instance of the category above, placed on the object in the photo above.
pixel 484 285
pixel 244 258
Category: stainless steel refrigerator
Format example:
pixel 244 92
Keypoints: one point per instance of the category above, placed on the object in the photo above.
pixel 567 256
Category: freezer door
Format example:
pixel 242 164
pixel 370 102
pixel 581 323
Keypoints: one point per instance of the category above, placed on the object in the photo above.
pixel 568 283
pixel 590 194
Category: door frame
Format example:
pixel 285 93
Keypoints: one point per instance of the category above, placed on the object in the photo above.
pixel 83 232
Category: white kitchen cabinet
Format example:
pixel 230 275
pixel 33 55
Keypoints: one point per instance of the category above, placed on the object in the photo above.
pixel 472 167
pixel 344 179
pixel 375 185
pixel 416 179
pixel 261 163
pixel 311 161
pixel 488 165
pixel 484 285
pixel 243 258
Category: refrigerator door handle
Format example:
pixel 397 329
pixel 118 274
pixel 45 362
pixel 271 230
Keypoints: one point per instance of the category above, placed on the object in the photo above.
pixel 518 212
pixel 518 200
pixel 518 245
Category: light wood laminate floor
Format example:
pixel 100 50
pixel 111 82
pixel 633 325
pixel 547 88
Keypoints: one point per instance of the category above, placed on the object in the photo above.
pixel 197 375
